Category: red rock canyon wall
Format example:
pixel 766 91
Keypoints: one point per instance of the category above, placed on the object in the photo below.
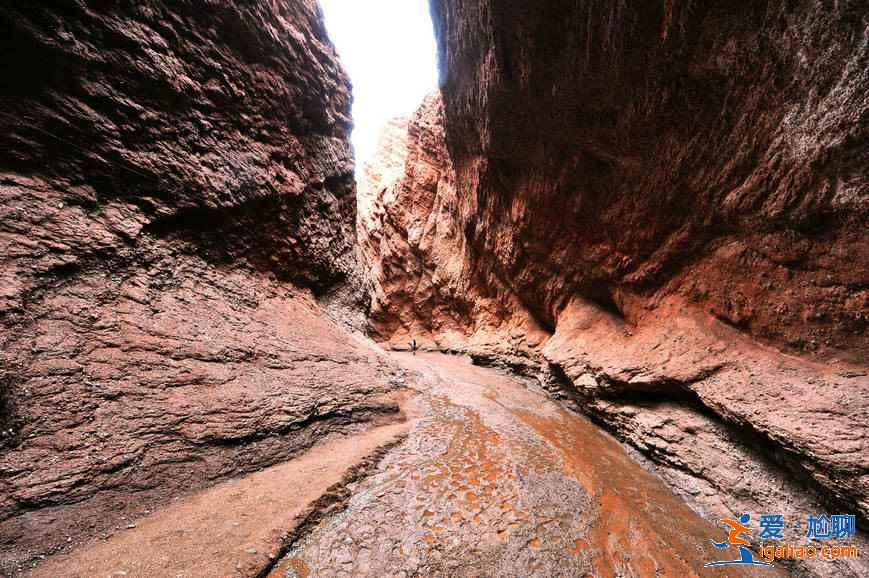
pixel 665 205
pixel 424 284
pixel 691 148
pixel 176 191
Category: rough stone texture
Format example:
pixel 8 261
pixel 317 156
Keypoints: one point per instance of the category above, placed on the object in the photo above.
pixel 417 254
pixel 631 192
pixel 166 170
pixel 733 427
pixel 382 172
pixel 495 480
pixel 228 125
pixel 697 148
pixel 673 194
pixel 236 527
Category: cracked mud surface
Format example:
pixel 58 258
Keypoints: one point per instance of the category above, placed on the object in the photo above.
pixel 496 480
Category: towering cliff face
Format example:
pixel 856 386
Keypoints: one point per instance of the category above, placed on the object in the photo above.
pixel 166 170
pixel 419 262
pixel 409 195
pixel 711 151
pixel 675 195
pixel 226 126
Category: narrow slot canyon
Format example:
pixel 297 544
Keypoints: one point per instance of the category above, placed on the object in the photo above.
pixel 480 288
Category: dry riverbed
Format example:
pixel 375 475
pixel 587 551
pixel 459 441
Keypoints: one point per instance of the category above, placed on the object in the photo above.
pixel 487 477
pixel 495 479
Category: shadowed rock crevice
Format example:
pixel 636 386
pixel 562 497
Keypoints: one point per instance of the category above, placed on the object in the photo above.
pixel 255 233
pixel 8 423
pixel 331 421
pixel 602 408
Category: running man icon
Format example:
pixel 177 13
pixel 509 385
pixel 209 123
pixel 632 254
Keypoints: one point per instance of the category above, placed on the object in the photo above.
pixel 733 539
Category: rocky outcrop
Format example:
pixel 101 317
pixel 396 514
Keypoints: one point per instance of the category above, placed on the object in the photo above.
pixel 176 191
pixel 416 251
pixel 227 126
pixel 684 147
pixel 658 208
pixel 408 188
pixel 731 425
pixel 672 195
pixel 383 171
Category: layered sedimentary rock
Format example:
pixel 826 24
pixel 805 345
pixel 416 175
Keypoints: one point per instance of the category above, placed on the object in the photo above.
pixel 675 195
pixel 416 251
pixel 176 191
pixel 711 150
pixel 407 199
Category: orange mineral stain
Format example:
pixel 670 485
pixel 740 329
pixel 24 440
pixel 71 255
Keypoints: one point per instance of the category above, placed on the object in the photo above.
pixel 302 570
pixel 485 484
pixel 626 527
pixel 535 543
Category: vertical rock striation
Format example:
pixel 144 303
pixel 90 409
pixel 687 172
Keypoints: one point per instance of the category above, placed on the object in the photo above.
pixel 674 196
pixel 417 253
pixel 176 189
pixel 711 151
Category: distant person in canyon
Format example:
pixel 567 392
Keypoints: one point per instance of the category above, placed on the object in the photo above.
pixel 413 346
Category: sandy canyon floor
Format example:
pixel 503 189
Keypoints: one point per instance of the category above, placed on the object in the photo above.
pixel 486 477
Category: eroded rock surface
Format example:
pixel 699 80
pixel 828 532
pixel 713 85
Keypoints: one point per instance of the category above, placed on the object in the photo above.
pixel 176 189
pixel 663 205
pixel 416 252
pixel 658 209
pixel 235 527
pixel 732 427
pixel 496 480
pixel 695 148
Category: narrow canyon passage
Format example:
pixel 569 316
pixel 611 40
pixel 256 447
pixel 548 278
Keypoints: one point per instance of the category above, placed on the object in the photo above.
pixel 487 477
pixel 495 479
pixel 628 236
